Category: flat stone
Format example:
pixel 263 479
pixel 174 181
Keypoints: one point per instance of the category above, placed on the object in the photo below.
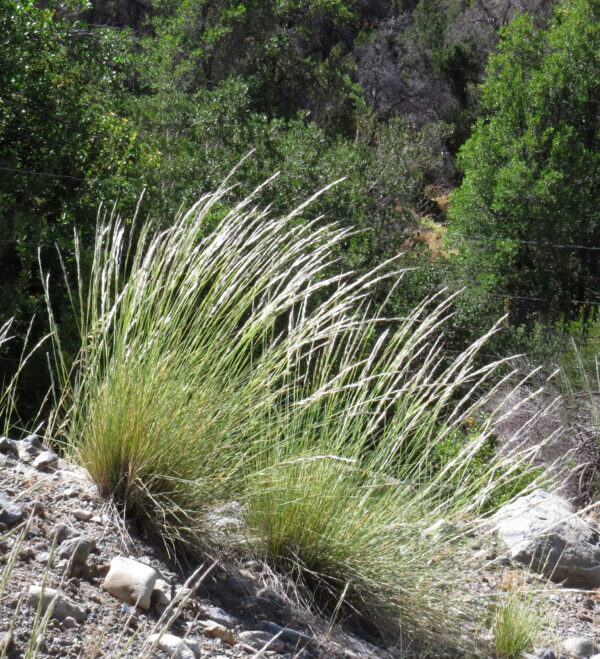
pixel 174 646
pixel 45 461
pixel 131 581
pixel 63 606
pixel 76 550
pixel 260 640
pixel 216 614
pixel 290 637
pixel 10 513
pixel 580 646
pixel 543 531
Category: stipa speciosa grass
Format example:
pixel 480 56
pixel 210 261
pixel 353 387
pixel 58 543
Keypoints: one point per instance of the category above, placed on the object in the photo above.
pixel 234 366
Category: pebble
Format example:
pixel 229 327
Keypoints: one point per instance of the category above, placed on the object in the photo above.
pixel 291 637
pixel 10 513
pixel 260 640
pixel 77 549
pixel 82 515
pixel 131 581
pixel 70 623
pixel 45 461
pixel 216 614
pixel 63 606
pixel 60 532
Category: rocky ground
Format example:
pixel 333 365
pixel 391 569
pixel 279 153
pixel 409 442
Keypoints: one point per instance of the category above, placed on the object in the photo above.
pixel 77 581
pixel 116 593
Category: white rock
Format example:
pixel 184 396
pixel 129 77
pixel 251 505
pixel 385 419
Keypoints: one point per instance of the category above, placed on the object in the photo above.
pixel 175 646
pixel 131 582
pixel 580 646
pixel 82 515
pixel 63 606
pixel 543 531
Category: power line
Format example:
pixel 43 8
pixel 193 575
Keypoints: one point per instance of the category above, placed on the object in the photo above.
pixel 29 172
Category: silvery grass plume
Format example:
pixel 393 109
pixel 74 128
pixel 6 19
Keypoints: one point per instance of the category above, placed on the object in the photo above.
pixel 233 365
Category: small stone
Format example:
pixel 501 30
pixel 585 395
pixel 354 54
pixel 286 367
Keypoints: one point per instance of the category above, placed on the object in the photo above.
pixel 10 513
pixel 216 630
pixel 291 637
pixel 26 553
pixel 76 550
pixel 43 557
pixel 63 607
pixel 262 641
pixel 161 595
pixel 131 581
pixel 60 532
pixel 45 461
pixel 174 646
pixel 8 447
pixel 216 614
pixel 580 646
pixel 70 623
pixel 82 515
pixel 547 653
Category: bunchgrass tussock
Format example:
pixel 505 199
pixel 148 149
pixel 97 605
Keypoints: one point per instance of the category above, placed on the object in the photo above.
pixel 232 365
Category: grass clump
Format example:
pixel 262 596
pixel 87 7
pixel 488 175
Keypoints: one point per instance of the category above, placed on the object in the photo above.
pixel 234 367
pixel 517 619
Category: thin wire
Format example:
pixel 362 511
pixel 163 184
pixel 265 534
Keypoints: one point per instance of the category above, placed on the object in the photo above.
pixel 29 172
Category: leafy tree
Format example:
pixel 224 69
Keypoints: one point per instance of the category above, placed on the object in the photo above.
pixel 531 171
pixel 65 143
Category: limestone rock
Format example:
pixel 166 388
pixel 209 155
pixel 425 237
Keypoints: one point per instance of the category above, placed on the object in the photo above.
pixel 10 513
pixel 63 606
pixel 131 581
pixel 543 531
